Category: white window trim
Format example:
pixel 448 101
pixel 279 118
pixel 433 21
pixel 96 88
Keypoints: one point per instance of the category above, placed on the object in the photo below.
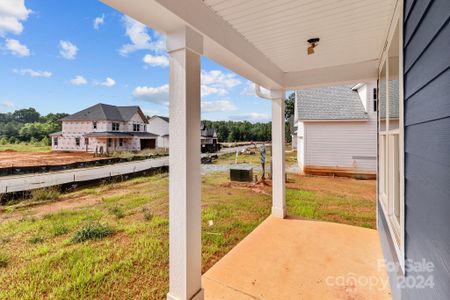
pixel 386 211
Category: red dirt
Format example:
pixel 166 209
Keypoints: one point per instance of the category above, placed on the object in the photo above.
pixel 10 158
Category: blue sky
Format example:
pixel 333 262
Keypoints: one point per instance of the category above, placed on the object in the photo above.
pixel 63 56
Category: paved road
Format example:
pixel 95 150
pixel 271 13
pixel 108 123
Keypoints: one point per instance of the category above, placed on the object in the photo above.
pixel 27 182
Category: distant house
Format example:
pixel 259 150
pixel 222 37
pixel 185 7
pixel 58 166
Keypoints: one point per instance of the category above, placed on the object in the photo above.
pixel 159 126
pixel 104 128
pixel 336 130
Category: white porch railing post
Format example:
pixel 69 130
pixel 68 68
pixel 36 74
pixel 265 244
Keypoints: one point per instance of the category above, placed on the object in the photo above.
pixel 278 145
pixel 185 46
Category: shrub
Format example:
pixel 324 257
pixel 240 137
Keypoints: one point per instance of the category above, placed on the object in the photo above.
pixel 4 260
pixel 117 211
pixel 148 216
pixel 45 194
pixel 92 231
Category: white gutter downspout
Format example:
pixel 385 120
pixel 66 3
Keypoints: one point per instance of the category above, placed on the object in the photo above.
pixel 260 94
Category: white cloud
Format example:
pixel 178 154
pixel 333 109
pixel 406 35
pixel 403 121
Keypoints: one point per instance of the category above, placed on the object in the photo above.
pixel 16 48
pixel 217 82
pixel 249 90
pixel 151 112
pixel 67 50
pixel 32 73
pixel 158 95
pixel 218 106
pixel 8 104
pixel 78 80
pixel 139 38
pixel 253 117
pixel 12 14
pixel 209 90
pixel 156 60
pixel 99 21
pixel 109 82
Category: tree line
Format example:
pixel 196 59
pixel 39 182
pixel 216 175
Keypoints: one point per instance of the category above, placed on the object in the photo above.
pixel 29 126
pixel 231 131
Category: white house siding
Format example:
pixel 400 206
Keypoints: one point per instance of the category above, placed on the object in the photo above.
pixel 159 127
pixel 341 145
pixel 347 145
pixel 165 142
pixel 300 144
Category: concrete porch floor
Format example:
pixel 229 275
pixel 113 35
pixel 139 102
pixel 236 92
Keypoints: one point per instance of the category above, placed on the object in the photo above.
pixel 298 259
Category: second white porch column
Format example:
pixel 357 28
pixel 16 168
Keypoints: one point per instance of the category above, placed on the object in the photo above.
pixel 278 140
pixel 185 47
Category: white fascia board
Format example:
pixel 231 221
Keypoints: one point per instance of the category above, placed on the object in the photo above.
pixel 334 121
pixel 222 43
pixel 329 76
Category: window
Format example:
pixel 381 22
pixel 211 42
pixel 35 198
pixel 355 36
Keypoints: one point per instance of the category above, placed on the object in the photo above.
pixel 120 142
pixel 115 126
pixel 109 142
pixel 136 127
pixel 390 146
pixel 77 141
pixel 55 141
pixel 94 125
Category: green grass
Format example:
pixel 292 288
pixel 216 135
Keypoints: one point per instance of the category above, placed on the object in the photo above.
pixel 92 231
pixel 4 259
pixel 117 246
pixel 333 200
pixel 22 147
pixel 50 193
pixel 67 255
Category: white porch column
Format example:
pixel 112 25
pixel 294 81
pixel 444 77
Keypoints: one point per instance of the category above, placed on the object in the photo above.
pixel 185 47
pixel 278 142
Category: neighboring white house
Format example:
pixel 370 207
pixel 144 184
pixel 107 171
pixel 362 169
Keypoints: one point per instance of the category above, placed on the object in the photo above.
pixel 104 128
pixel 159 126
pixel 336 130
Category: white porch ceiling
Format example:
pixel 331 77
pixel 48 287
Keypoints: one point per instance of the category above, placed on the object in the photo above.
pixel 350 31
pixel 265 40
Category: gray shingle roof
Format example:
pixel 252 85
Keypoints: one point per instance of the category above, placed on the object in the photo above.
pixel 105 112
pixel 164 118
pixel 330 103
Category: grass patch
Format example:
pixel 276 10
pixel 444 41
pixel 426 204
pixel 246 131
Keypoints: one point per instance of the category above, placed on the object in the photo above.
pixel 23 147
pixel 117 212
pixel 44 194
pixel 4 259
pixel 148 216
pixel 37 239
pixel 59 228
pixel 340 200
pixel 92 231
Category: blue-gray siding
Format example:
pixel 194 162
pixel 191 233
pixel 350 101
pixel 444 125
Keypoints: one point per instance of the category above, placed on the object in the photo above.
pixel 427 141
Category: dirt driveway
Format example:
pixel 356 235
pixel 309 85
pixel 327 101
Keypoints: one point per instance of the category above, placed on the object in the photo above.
pixel 11 158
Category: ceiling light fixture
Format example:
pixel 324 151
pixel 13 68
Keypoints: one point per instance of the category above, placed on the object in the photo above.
pixel 313 43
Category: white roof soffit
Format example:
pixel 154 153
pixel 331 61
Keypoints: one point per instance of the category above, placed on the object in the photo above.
pixel 265 40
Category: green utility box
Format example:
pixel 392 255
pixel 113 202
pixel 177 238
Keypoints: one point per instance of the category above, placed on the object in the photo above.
pixel 244 174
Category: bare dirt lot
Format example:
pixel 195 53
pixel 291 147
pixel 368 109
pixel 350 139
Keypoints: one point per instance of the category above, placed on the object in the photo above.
pixel 10 158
